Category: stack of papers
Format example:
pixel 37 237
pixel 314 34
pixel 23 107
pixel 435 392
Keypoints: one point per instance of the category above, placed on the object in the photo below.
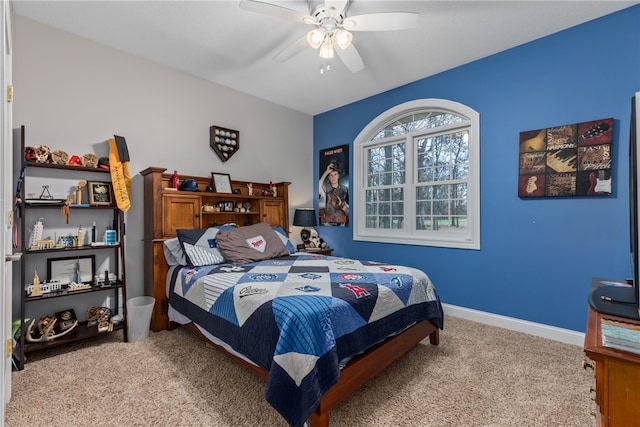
pixel 621 335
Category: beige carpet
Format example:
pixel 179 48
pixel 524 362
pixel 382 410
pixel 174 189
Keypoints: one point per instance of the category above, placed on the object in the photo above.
pixel 478 376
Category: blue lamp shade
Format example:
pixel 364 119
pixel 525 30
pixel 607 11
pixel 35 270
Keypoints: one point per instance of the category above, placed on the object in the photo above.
pixel 305 217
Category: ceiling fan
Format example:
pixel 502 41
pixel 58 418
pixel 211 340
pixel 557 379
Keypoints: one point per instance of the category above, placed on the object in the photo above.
pixel 332 32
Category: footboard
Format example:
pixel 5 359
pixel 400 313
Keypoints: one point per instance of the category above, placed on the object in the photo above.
pixel 357 372
pixel 363 368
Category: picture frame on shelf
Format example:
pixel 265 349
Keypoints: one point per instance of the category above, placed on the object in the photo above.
pixel 100 193
pixel 225 206
pixel 221 182
pixel 78 269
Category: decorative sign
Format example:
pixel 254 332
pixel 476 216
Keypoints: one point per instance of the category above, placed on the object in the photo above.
pixel 100 193
pixel 225 142
pixel 568 160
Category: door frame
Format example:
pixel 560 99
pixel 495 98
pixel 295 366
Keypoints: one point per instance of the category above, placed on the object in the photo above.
pixel 6 206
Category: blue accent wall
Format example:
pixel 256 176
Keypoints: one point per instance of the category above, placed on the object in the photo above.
pixel 537 256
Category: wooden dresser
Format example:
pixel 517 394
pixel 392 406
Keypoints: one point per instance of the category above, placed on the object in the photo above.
pixel 617 376
pixel 167 210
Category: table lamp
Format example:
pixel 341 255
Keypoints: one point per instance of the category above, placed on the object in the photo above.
pixel 305 217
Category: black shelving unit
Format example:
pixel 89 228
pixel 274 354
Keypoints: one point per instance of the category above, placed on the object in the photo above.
pixel 83 330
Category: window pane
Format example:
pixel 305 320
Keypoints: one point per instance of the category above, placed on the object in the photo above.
pixel 423 223
pixel 416 122
pixel 396 222
pixel 441 208
pixel 440 191
pixel 371 208
pixel 384 222
pixel 424 192
pixel 443 157
pixel 386 165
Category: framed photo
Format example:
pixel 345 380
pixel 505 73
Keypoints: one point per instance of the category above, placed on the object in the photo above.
pixel 72 269
pixel 100 193
pixel 221 182
pixel 225 206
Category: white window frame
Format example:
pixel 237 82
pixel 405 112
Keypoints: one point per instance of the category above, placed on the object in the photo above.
pixel 470 239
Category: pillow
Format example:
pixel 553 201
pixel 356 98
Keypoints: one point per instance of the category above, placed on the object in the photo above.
pixel 251 243
pixel 283 236
pixel 200 247
pixel 173 252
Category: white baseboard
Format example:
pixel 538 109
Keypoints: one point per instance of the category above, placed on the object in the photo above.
pixel 538 329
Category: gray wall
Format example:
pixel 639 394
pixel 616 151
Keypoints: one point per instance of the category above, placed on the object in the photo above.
pixel 73 94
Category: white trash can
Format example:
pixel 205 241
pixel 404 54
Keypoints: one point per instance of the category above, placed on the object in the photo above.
pixel 139 310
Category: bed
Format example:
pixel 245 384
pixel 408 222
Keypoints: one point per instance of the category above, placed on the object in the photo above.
pixel 314 327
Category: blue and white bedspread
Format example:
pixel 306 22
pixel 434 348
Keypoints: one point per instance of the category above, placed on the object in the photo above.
pixel 297 317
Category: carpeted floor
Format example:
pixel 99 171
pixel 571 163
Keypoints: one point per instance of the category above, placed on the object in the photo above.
pixel 478 376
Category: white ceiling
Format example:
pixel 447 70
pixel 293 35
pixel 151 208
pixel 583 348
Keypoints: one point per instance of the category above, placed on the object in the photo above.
pixel 218 41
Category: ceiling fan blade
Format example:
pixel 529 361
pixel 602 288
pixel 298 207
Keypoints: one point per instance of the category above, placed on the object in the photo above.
pixel 276 11
pixel 350 57
pixel 291 51
pixel 383 21
pixel 335 7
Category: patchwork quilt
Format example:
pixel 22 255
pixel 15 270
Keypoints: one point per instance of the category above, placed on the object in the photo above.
pixel 299 317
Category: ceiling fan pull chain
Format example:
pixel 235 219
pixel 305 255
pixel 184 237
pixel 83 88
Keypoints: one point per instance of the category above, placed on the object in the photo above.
pixel 326 67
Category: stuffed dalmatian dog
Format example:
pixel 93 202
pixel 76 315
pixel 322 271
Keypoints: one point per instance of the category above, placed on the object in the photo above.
pixel 315 241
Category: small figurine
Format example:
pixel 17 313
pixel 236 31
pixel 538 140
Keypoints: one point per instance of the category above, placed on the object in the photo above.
pixel 250 187
pixel 79 192
pixel 65 209
pixel 36 285
pixel 36 234
pixel 80 239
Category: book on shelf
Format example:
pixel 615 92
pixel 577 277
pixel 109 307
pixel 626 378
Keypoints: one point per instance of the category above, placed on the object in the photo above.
pixel 620 335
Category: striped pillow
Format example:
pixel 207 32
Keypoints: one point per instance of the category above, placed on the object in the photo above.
pixel 200 246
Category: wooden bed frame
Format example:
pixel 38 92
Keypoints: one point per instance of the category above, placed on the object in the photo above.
pixel 357 372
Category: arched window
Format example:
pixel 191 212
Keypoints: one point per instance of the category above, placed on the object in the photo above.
pixel 417 176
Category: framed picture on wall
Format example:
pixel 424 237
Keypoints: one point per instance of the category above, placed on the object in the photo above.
pixel 333 186
pixel 567 160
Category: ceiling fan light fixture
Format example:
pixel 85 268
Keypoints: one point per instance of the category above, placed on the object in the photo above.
pixel 326 49
pixel 343 38
pixel 315 38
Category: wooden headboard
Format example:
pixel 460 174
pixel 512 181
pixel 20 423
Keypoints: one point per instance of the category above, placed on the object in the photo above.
pixel 166 210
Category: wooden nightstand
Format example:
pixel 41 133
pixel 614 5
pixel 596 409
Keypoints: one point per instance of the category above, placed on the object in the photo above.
pixel 325 251
pixel 617 374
